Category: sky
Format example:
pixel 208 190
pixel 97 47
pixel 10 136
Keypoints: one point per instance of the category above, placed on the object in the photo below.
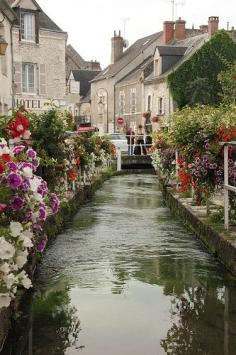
pixel 90 24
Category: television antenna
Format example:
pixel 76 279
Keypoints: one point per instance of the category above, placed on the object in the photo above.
pixel 124 20
pixel 174 5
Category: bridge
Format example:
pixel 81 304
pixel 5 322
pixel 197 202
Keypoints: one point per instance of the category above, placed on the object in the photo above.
pixel 134 162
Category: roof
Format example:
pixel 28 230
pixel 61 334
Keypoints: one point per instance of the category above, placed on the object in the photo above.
pixel 171 50
pixel 131 53
pixel 45 22
pixel 84 77
pixel 191 45
pixel 136 73
pixel 6 9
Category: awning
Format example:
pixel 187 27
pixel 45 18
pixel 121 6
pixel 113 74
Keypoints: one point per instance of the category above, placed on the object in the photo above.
pixel 86 129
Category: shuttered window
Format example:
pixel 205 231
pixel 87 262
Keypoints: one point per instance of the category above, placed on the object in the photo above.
pixel 29 83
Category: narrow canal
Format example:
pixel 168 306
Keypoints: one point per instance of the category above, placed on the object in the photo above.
pixel 127 278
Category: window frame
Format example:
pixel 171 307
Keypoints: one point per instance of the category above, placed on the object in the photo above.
pixel 23 14
pixel 28 90
pixel 122 103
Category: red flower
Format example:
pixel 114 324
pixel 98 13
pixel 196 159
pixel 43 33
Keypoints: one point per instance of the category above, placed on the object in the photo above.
pixel 6 157
pixel 78 161
pixel 2 168
pixel 73 175
pixel 18 126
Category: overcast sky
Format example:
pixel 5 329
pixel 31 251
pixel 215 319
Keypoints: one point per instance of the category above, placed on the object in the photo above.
pixel 90 23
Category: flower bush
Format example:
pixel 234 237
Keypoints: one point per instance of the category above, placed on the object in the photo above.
pixel 25 203
pixel 197 136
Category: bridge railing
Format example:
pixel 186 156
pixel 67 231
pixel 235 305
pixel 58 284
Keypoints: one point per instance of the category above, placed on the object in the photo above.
pixel 133 139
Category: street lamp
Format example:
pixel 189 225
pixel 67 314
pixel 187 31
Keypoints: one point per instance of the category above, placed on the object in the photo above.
pixel 101 102
pixel 3 46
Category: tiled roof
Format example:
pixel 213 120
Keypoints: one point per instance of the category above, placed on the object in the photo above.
pixel 136 73
pixel 137 48
pixel 130 54
pixel 7 10
pixel 84 77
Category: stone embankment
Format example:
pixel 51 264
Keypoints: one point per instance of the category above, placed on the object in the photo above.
pixel 220 242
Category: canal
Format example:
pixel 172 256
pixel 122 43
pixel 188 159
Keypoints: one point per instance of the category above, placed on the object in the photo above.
pixel 127 278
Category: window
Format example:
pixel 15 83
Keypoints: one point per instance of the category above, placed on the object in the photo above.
pixel 74 86
pixel 160 106
pixel 149 102
pixel 133 101
pixel 27 27
pixel 122 103
pixel 29 84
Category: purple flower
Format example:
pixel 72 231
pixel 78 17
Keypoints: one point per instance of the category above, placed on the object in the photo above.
pixel 25 185
pixel 205 159
pixel 206 146
pixel 14 180
pixel 31 154
pixel 42 244
pixel 37 227
pixel 55 203
pixel 29 215
pixel 18 149
pixel 42 213
pixel 35 164
pixel 26 165
pixel 17 203
pixel 12 166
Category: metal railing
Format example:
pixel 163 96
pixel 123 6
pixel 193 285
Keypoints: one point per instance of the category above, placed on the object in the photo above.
pixel 143 145
pixel 227 187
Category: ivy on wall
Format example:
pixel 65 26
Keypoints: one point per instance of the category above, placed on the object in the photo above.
pixel 211 59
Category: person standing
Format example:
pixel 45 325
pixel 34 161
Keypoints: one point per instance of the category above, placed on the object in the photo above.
pixel 140 141
pixel 130 140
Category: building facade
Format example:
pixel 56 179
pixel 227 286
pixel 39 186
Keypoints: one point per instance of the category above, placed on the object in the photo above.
pixel 7 16
pixel 39 47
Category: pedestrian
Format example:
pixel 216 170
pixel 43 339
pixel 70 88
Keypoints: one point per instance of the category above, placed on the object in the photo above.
pixel 140 145
pixel 130 140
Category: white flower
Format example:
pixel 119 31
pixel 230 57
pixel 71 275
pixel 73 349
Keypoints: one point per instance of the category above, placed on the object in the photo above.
pixel 27 243
pixel 27 172
pixel 3 141
pixel 35 183
pixel 5 268
pixel 28 233
pixel 38 197
pixel 27 134
pixel 9 280
pixel 21 258
pixel 7 250
pixel 15 229
pixel 24 279
pixel 5 300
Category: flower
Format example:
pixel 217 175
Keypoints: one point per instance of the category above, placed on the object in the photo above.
pixel 17 127
pixel 17 203
pixel 18 149
pixel 31 154
pixel 24 280
pixel 42 214
pixel 21 258
pixel 27 172
pixel 2 167
pixel 5 300
pixel 15 229
pixel 14 180
pixel 7 250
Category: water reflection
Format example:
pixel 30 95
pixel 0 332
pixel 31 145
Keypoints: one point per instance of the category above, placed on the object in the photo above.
pixel 127 278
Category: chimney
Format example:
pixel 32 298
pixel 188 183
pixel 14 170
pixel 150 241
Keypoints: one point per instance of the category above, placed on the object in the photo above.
pixel 180 29
pixel 213 25
pixel 168 32
pixel 117 45
pixel 204 28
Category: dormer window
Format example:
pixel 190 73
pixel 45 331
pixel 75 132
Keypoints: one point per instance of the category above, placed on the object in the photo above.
pixel 27 27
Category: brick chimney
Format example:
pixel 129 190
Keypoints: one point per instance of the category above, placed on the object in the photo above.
pixel 213 25
pixel 117 45
pixel 168 31
pixel 180 29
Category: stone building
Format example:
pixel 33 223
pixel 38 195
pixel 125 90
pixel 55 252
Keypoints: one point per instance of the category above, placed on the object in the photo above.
pixel 135 81
pixel 39 47
pixel 7 16
pixel 78 93
pixel 74 61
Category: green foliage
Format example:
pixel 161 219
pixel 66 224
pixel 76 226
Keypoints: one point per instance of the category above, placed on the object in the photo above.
pixel 211 59
pixel 198 92
pixel 227 79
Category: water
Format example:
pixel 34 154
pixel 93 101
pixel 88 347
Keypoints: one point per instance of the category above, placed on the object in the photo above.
pixel 127 278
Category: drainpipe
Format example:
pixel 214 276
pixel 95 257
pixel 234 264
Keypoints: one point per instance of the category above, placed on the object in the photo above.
pixel 13 102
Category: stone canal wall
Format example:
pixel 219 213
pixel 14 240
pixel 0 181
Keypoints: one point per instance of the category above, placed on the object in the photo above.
pixel 219 242
pixel 53 225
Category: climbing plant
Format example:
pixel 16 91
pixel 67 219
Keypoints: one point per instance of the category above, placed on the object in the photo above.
pixel 203 67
